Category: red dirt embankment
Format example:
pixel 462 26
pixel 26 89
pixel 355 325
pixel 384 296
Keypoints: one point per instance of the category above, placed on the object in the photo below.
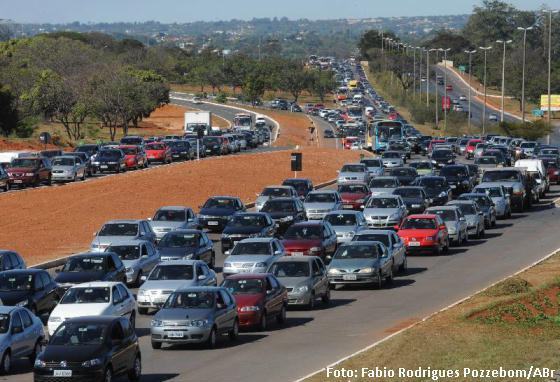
pixel 47 223
pixel 171 117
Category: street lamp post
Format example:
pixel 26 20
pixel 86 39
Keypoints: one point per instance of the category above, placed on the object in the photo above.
pixel 427 78
pixel 523 75
pixel 505 42
pixel 485 49
pixel 421 50
pixel 414 71
pixel 549 115
pixel 470 53
pixel 445 87
pixel 436 86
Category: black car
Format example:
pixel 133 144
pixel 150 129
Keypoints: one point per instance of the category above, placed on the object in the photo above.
pixel 4 179
pixel 414 197
pixel 328 134
pixel 90 349
pixel 250 138
pixel 109 160
pixel 10 260
pixel 30 288
pixel 94 266
pixel 285 212
pixel 188 244
pixel 218 210
pixel 436 188
pixel 458 177
pixel 214 146
pixel 245 225
pixel 181 150
pixel 90 150
pixel 498 154
pixel 405 175
pixel 442 157
pixel 303 186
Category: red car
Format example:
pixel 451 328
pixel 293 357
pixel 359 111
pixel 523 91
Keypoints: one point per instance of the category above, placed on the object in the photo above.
pixel 259 297
pixel 133 157
pixel 393 116
pixel 433 142
pixel 552 168
pixel 449 88
pixel 424 233
pixel 348 142
pixel 354 195
pixel 310 238
pixel 471 146
pixel 158 152
pixel 30 171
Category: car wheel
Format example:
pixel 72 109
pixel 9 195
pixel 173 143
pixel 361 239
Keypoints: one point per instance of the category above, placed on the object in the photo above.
pixel 404 266
pixel 481 233
pixel 263 324
pixel 133 320
pixel 156 345
pixel 137 282
pixel 75 178
pixel 389 277
pixel 211 341
pixel 6 365
pixel 466 238
pixel 379 282
pixel 108 375
pixel 281 318
pixel 118 170
pixel 83 176
pixel 437 250
pixel 234 332
pixel 311 304
pixel 135 373
pixel 212 264
pixel 494 222
pixel 446 247
pixel 38 348
pixel 142 311
pixel 326 299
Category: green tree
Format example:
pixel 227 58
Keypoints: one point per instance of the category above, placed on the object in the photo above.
pixel 9 117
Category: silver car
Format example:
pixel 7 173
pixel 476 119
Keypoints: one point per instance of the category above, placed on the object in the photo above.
pixel 474 216
pixel 21 334
pixel 274 192
pixel 499 196
pixel 171 218
pixel 318 203
pixel 374 166
pixel 392 159
pixel 352 173
pixel 384 185
pixel 454 220
pixel 394 244
pixel 118 231
pixel 195 315
pixel 479 149
pixel 304 277
pixel 139 258
pixel 252 256
pixel 346 224
pixel 68 169
pixel 169 276
pixel 384 211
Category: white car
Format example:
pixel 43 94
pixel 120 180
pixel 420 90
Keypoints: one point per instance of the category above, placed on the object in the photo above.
pixel 197 100
pixel 100 298
pixel 462 97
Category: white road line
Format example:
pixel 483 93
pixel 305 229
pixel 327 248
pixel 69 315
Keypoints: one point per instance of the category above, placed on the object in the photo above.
pixel 427 317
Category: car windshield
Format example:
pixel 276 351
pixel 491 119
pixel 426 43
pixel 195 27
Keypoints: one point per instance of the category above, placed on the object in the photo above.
pixel 29 163
pixel 493 192
pixel 63 162
pixel 108 154
pixel 290 269
pixel 119 229
pixel 528 145
pixel 341 219
pixel 219 203
pixel 125 252
pixel 86 264
pixel 446 214
pixel 278 206
pixel 356 252
pixel 211 141
pixel 251 248
pixel 170 216
pixel 276 191
pixel 172 272
pixel 383 203
pixel 352 168
pixel 419 223
pixel 402 172
pixel 89 150
pixel 453 171
pixel 383 183
pixel 372 237
pixel 467 209
pixel 129 150
pixel 15 282
pixel 421 165
pixel 79 334
pixel 442 154
pixel 486 160
pixel 408 192
pixel 481 200
pixel 320 198
pixel 498 176
pixel 244 286
pixel 179 240
pixel 240 221
pixel 391 155
pixel 155 146
pixel 432 182
pixel 190 300
pixel 372 163
pixel 303 232
pixel 4 323
pixel 95 295
pixel 353 188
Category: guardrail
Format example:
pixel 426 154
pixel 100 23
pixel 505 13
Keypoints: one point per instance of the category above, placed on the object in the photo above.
pixel 51 264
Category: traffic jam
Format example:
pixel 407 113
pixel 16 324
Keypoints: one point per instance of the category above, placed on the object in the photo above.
pixel 202 277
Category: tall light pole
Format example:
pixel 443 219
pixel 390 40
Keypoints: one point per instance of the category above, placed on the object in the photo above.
pixel 523 75
pixel 427 77
pixel 485 49
pixel 445 87
pixel 470 53
pixel 505 42
pixel 436 86
pixel 549 115
pixel 414 71
pixel 420 69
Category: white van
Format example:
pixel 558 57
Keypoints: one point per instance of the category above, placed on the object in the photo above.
pixel 535 165
pixel 7 156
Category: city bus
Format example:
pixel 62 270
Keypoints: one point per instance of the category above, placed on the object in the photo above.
pixel 378 134
pixel 355 113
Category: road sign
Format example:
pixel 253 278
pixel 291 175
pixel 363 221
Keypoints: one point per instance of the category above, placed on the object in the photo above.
pixel 462 68
pixel 554 102
pixel 537 112
pixel 296 161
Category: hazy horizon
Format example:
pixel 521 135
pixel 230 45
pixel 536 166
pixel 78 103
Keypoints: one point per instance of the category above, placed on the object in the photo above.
pixel 170 11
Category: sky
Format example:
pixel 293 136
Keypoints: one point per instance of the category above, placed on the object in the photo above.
pixel 63 11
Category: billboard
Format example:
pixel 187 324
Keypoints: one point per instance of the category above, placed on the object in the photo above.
pixel 554 102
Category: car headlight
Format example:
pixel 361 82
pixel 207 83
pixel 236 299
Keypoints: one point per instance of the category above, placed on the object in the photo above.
pixel 253 308
pixel 443 194
pixel 199 323
pixel 227 265
pixel 315 249
pixel 301 289
pixel 55 319
pixel 333 271
pixel 156 323
pixel 415 205
pixel 360 201
pixel 188 256
pixel 29 174
pixel 366 270
pixel 40 363
pixel 452 230
pixel 434 162
pixel 287 218
pixel 260 265
pixel 92 362
pixel 449 160
pixel 349 234
pixel 22 303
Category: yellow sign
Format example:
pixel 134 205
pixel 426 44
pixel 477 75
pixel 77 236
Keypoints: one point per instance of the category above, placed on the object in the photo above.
pixel 554 102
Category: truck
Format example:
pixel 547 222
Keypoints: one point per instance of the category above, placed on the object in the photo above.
pixel 445 103
pixel 243 121
pixel 196 121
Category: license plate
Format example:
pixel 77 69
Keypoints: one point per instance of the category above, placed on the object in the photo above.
pixel 349 277
pixel 413 244
pixel 212 223
pixel 18 181
pixel 175 334
pixel 103 166
pixel 62 373
pixel 453 186
pixel 297 253
pixel 347 206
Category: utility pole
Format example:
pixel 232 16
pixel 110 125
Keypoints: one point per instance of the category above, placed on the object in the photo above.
pixel 445 87
pixel 549 114
pixel 470 53
pixel 523 76
pixel 436 86
pixel 420 69
pixel 485 49
pixel 414 72
pixel 427 78
pixel 503 76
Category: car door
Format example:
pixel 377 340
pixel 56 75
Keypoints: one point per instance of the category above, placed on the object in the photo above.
pixel 203 253
pixel 129 344
pixel 19 347
pixel 29 332
pixel 221 316
pixel 118 306
pixel 39 294
pixel 50 289
pixel 118 348
pixel 119 269
pixel 317 278
pixel 153 258
pixel 324 280
pixel 127 301
pixel 274 297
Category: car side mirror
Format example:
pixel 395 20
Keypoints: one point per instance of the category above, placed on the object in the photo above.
pixel 143 278
pixel 269 291
pixel 17 329
pixel 227 253
pixel 443 226
pixel 462 219
pixel 202 277
pixel 220 306
pixel 277 253
pixel 94 234
pixel 149 219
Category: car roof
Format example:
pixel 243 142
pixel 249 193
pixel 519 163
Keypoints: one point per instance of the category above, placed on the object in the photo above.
pixel 181 262
pixel 224 197
pixel 201 289
pixel 438 177
pixel 299 259
pixel 446 207
pixel 258 240
pixel 374 231
pixel 242 276
pixel 346 212
pixel 23 271
pixel 385 177
pixel 357 242
pixel 309 223
pixel 94 284
pixel 279 186
pixel 173 208
pixel 420 216
pixel 461 202
pixel 323 192
pixel 129 242
pixel 89 254
pixel 131 221
pixel 283 198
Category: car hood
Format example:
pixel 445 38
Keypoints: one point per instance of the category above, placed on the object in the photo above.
pixel 217 211
pixel 352 264
pixel 114 240
pixel 57 353
pixel 173 252
pixel 21 169
pixel 183 314
pixel 172 225
pixel 63 168
pixel 248 259
pixel 11 298
pixel 379 191
pixel 413 200
pixel 294 282
pixel 167 284
pixel 345 228
pixel 249 299
pixel 301 243
pixel 79 310
pixel 319 206
pixel 417 232
pixel 79 277
pixel 380 211
pixel 352 196
pixel 242 230
pixel 352 174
